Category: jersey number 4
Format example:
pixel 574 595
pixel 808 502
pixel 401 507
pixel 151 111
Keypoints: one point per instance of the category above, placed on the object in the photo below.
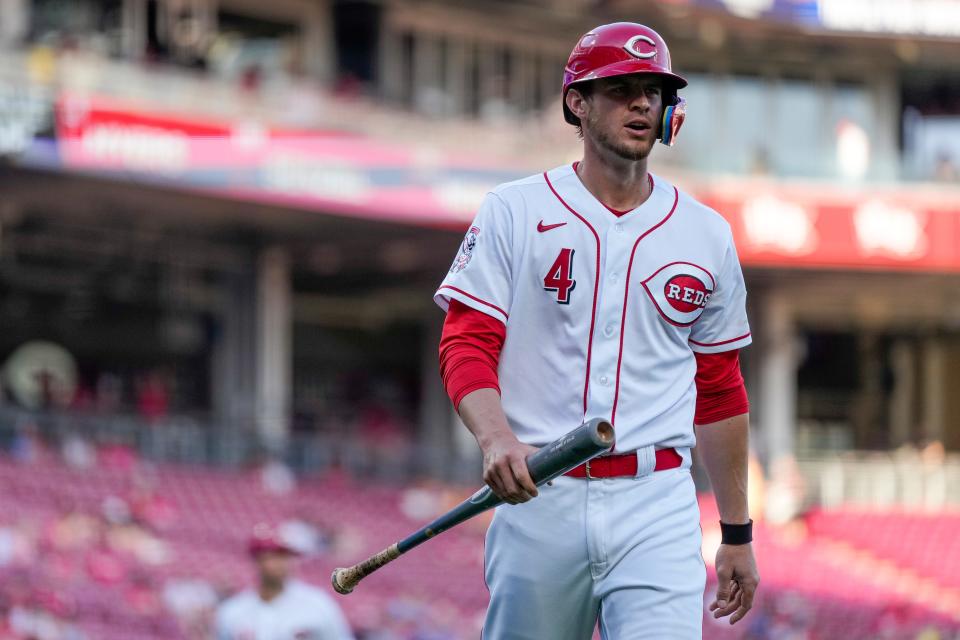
pixel 560 276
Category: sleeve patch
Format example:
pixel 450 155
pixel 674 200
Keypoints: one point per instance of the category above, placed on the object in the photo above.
pixel 466 250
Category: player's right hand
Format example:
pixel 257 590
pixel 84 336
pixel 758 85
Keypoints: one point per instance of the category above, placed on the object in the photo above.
pixel 505 468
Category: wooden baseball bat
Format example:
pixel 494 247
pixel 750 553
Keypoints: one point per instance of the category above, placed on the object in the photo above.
pixel 573 449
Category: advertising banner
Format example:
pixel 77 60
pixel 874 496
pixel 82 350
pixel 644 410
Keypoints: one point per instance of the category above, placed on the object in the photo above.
pixel 330 171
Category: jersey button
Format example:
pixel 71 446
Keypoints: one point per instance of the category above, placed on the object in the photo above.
pixel 618 227
pixel 614 278
pixel 604 380
pixel 608 330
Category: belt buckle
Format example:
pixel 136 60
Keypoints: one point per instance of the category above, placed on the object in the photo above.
pixel 589 477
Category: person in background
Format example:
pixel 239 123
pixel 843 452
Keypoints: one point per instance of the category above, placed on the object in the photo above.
pixel 279 607
pixel 153 397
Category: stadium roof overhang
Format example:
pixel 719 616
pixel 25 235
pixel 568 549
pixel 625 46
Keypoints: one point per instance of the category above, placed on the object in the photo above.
pixel 91 214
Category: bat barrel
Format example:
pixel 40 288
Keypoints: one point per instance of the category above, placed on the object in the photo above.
pixel 583 443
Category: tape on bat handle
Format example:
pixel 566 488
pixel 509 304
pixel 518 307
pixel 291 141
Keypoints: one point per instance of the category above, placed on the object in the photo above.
pixel 345 579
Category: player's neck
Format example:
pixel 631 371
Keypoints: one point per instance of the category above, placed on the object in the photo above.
pixel 269 590
pixel 617 183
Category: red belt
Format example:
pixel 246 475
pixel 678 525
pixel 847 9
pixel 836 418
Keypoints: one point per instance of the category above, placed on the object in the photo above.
pixel 624 465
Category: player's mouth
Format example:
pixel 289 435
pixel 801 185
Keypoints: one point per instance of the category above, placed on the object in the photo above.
pixel 638 127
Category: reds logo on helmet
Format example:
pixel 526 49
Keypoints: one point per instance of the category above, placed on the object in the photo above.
pixel 680 291
pixel 634 47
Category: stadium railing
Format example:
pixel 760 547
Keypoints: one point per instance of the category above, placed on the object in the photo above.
pixel 881 479
pixel 194 441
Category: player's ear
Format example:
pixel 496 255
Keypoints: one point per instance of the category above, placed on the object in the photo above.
pixel 577 103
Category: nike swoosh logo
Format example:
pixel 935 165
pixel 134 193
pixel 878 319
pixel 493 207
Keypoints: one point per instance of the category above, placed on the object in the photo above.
pixel 546 227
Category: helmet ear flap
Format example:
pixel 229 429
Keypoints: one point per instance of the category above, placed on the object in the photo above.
pixel 673 116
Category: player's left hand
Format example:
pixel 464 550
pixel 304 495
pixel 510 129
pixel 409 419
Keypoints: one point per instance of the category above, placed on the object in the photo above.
pixel 737 580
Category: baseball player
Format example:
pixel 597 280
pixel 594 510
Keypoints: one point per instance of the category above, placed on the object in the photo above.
pixel 279 608
pixel 598 289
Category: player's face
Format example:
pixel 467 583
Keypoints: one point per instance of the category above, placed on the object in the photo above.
pixel 623 115
pixel 274 566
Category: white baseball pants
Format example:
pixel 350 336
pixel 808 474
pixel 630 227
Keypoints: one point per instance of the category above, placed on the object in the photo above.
pixel 624 550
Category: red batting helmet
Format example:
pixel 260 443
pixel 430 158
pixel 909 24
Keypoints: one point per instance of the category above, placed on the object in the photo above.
pixel 619 49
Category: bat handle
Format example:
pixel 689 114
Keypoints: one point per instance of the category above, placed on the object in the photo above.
pixel 345 579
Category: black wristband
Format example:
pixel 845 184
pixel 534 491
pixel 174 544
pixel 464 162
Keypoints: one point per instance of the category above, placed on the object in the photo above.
pixel 736 533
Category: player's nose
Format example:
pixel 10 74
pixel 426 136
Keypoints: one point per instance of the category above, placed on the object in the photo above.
pixel 640 101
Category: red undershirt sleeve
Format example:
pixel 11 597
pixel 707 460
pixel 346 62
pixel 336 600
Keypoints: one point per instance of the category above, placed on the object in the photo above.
pixel 721 393
pixel 469 351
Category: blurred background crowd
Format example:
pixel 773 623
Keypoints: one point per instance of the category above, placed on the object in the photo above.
pixel 222 222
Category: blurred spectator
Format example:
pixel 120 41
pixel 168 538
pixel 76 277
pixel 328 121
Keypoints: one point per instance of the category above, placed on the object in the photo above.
pixel 84 399
pixel 303 536
pixel 276 478
pixel 348 86
pixel 74 531
pixel 852 150
pixel 16 546
pixel 785 491
pixel 118 454
pixel 933 454
pixel 150 508
pixel 106 566
pixel 140 595
pixel 946 168
pixel 760 161
pixel 385 440
pixel 153 397
pixel 14 21
pixel 891 622
pixel 36 623
pixel 130 540
pixel 45 381
pixel 193 601
pixel 279 607
pixel 109 393
pixel 27 446
pixel 251 78
pixel 187 597
pixel 77 452
pixel 115 510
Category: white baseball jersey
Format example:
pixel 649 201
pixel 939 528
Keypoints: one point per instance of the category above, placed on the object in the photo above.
pixel 603 313
pixel 300 612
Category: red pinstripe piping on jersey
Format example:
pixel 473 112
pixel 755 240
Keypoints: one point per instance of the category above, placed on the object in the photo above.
pixel 596 288
pixel 713 283
pixel 473 297
pixel 626 292
pixel 717 344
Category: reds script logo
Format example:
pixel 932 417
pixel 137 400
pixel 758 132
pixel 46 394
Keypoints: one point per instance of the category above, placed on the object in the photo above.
pixel 680 291
pixel 466 250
